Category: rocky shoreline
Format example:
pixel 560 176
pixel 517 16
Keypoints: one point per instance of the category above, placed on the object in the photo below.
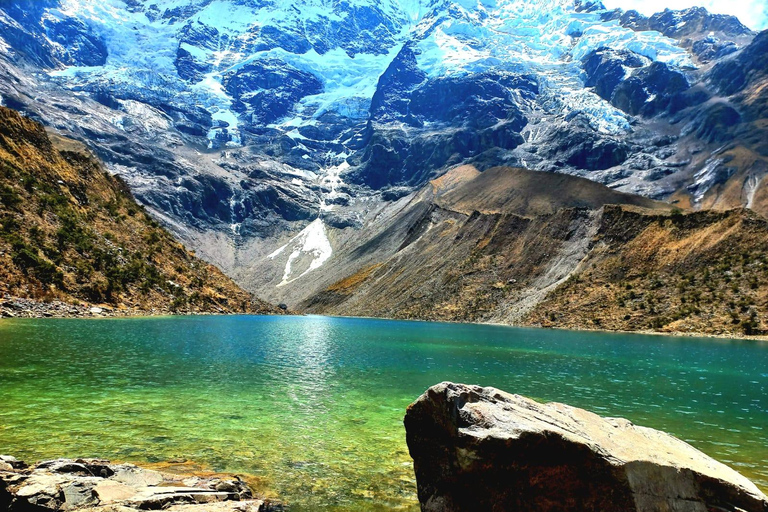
pixel 647 332
pixel 17 307
pixel 99 485
pixel 14 307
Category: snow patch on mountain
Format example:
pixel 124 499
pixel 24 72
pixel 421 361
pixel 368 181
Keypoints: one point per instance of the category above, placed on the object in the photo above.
pixel 454 37
pixel 311 242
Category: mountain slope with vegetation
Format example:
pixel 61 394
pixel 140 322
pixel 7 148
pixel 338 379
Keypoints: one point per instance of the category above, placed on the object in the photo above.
pixel 512 246
pixel 71 232
pixel 471 246
pixel 701 272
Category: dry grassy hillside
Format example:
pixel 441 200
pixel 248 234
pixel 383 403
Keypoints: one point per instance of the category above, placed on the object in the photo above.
pixel 698 272
pixel 475 247
pixel 510 190
pixel 527 248
pixel 71 232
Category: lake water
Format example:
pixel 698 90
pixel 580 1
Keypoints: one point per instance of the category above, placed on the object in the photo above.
pixel 313 406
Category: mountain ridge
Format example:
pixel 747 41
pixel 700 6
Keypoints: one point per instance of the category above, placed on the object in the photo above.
pixel 71 233
pixel 273 140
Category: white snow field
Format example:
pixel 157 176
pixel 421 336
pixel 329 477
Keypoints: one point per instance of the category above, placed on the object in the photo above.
pixel 517 35
pixel 547 38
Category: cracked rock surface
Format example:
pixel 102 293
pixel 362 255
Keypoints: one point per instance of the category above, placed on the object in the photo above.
pixel 92 484
pixel 478 448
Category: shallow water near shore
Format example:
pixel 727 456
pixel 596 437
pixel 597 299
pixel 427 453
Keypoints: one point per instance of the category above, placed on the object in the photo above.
pixel 313 406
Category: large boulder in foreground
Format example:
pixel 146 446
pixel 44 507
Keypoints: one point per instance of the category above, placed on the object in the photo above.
pixel 478 448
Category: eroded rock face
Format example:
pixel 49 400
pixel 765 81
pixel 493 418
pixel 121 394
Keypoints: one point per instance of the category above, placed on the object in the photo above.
pixel 480 448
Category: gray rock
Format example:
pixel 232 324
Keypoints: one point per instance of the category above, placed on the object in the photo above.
pixel 137 477
pixel 227 486
pixel 110 491
pixel 78 495
pixel 155 498
pixel 64 466
pixel 10 461
pixel 480 448
pixel 41 490
pixel 97 485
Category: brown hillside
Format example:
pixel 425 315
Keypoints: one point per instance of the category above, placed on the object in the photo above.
pixel 546 250
pixel 474 247
pixel 71 232
pixel 699 272
pixel 529 193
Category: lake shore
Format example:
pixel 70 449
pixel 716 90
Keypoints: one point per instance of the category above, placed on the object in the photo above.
pixel 107 486
pixel 674 334
pixel 16 307
pixel 677 334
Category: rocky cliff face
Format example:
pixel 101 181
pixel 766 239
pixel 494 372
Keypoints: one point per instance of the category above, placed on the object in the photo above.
pixel 252 127
pixel 72 233
pixel 480 448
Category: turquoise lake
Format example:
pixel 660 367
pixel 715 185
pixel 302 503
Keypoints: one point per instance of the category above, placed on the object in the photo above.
pixel 312 407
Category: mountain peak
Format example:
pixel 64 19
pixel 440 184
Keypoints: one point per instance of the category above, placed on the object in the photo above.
pixel 248 120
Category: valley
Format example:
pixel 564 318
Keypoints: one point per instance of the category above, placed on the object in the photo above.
pixel 305 152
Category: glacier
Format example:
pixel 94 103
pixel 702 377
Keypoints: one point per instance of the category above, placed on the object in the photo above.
pixel 264 113
pixel 547 38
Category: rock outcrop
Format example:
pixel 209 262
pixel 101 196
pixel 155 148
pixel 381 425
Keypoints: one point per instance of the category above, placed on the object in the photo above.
pixel 480 448
pixel 92 484
pixel 73 234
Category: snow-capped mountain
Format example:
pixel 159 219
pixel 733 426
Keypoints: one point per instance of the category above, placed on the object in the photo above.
pixel 261 130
